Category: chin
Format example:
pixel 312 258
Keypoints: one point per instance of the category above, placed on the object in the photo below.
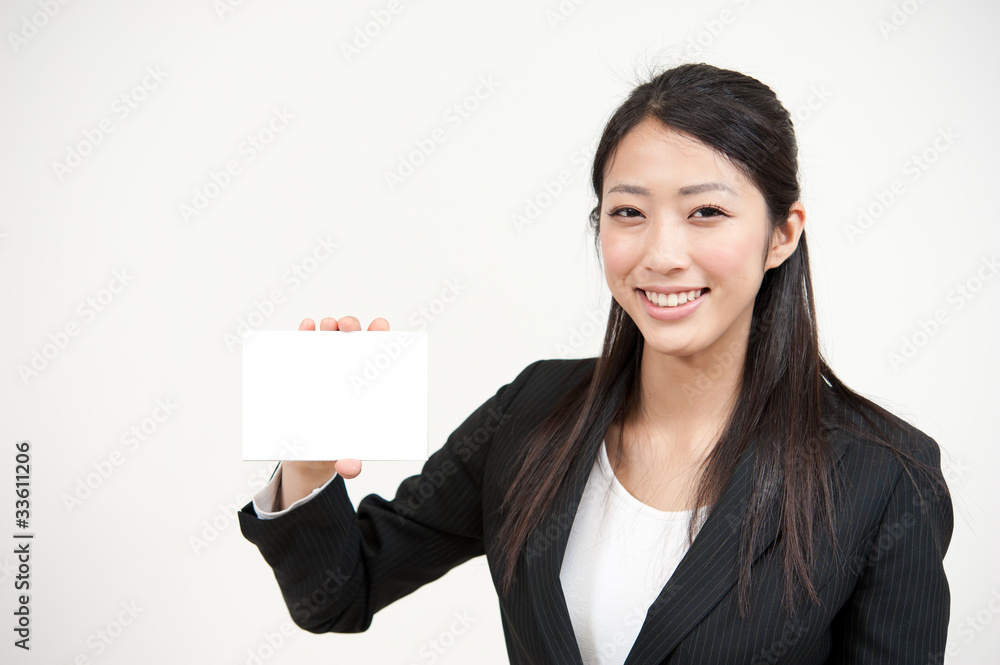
pixel 677 350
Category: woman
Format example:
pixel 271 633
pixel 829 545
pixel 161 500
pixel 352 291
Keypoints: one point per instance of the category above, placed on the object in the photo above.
pixel 705 491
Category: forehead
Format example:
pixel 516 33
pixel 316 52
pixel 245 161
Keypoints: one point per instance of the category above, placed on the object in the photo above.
pixel 655 155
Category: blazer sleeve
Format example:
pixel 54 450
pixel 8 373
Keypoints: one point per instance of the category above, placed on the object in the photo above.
pixel 899 609
pixel 336 567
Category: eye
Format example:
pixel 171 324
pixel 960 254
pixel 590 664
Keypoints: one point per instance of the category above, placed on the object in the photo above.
pixel 623 209
pixel 710 211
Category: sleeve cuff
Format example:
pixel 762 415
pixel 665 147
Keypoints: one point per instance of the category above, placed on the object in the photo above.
pixel 266 499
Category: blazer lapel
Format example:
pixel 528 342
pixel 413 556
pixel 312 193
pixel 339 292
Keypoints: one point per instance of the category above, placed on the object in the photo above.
pixel 709 568
pixel 545 561
pixel 704 575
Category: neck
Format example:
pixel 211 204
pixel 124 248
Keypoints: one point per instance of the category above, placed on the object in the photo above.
pixel 684 405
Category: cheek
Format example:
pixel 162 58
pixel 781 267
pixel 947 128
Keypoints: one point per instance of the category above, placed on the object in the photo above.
pixel 620 255
pixel 733 259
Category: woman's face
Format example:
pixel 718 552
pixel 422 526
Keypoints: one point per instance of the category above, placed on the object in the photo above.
pixel 677 217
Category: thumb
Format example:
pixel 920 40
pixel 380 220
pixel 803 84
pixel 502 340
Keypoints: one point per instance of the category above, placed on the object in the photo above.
pixel 348 468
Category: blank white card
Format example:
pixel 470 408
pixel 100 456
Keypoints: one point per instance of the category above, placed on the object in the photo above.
pixel 327 395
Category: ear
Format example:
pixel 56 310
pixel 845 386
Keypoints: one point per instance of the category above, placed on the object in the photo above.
pixel 786 236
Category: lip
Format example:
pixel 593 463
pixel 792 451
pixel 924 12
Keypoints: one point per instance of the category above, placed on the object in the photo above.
pixel 671 313
pixel 668 290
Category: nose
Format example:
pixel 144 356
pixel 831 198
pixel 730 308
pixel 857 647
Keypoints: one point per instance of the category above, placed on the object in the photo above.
pixel 667 245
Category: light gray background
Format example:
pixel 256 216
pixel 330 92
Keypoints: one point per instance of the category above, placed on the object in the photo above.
pixel 866 100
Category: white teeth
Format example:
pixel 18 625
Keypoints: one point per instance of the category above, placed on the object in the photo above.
pixel 673 299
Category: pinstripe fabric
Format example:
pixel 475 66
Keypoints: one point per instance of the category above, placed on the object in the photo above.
pixel 889 604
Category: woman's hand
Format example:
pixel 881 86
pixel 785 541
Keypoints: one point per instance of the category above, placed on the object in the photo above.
pixel 298 479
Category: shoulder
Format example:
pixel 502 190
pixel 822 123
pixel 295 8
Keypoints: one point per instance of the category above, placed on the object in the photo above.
pixel 538 389
pixel 548 379
pixel 557 371
pixel 864 430
pixel 879 458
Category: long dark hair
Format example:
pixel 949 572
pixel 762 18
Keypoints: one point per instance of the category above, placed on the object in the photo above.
pixel 780 404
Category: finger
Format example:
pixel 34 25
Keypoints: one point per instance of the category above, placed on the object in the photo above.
pixel 378 324
pixel 329 323
pixel 348 468
pixel 349 324
pixel 307 324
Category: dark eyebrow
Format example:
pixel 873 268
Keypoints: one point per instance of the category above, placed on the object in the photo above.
pixel 705 187
pixel 629 189
pixel 683 191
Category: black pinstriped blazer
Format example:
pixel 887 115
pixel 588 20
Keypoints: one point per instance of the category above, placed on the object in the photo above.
pixel 336 568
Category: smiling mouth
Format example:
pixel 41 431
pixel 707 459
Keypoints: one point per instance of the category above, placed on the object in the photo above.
pixel 674 299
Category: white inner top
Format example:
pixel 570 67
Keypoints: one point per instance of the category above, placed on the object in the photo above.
pixel 620 554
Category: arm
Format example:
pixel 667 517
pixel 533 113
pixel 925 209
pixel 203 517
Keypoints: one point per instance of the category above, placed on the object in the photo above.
pixel 336 567
pixel 899 610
